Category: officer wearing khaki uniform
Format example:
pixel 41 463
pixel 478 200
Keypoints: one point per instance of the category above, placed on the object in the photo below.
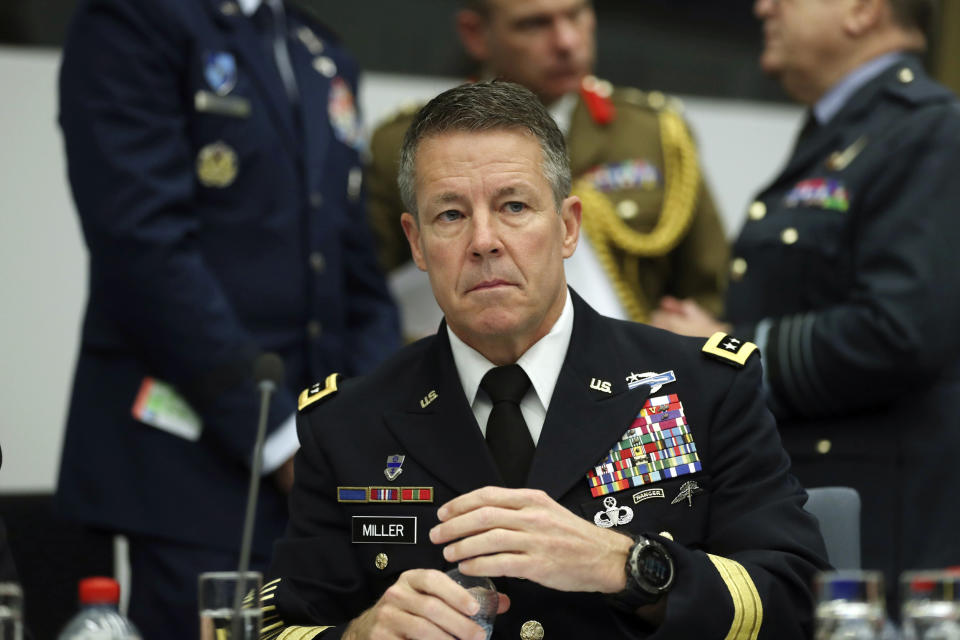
pixel 652 226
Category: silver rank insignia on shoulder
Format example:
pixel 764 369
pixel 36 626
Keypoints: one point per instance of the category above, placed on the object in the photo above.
pixel 652 379
pixel 612 515
pixel 394 466
pixel 688 489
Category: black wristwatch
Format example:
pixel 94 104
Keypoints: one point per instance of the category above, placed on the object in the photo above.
pixel 650 574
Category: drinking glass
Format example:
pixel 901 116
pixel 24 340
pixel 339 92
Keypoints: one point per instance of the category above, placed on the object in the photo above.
pixel 930 604
pixel 484 591
pixel 850 605
pixel 217 595
pixel 11 611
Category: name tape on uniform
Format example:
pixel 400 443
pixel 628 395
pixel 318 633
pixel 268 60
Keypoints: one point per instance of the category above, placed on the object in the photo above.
pixel 392 529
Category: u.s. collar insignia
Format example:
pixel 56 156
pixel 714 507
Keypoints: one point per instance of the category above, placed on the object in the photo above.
pixel 394 466
pixel 600 385
pixel 220 71
pixel 315 393
pixel 654 380
pixel 612 515
pixel 729 350
pixel 688 489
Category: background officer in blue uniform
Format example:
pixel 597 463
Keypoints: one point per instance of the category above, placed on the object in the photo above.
pixel 616 480
pixel 213 152
pixel 845 273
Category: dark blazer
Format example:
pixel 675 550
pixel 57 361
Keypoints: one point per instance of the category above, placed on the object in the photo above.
pixel 851 254
pixel 745 535
pixel 193 275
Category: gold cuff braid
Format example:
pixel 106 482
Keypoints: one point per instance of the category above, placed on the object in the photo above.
pixel 608 233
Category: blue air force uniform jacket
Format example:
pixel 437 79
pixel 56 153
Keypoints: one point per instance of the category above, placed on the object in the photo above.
pixel 745 549
pixel 851 257
pixel 222 221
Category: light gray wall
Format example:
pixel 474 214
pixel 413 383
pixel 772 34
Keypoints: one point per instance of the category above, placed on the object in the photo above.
pixel 43 260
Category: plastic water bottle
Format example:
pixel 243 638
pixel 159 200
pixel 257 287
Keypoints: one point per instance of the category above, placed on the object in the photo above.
pixel 850 606
pixel 99 618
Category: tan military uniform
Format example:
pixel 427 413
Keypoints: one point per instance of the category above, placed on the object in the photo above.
pixel 647 212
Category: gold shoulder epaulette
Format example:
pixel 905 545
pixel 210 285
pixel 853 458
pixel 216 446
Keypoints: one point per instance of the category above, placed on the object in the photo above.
pixel 312 395
pixel 654 100
pixel 729 350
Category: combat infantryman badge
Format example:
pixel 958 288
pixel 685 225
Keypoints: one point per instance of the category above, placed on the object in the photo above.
pixel 654 380
pixel 394 466
pixel 687 491
pixel 612 515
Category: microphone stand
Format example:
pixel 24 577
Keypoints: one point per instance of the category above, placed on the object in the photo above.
pixel 267 387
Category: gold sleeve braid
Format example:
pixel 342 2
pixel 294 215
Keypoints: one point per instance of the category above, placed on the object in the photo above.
pixel 607 232
pixel 272 627
pixel 747 606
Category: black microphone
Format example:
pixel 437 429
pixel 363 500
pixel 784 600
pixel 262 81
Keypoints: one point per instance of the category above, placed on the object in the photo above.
pixel 268 372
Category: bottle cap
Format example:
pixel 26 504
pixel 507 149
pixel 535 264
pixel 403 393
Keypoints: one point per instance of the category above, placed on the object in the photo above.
pixel 841 589
pixel 99 590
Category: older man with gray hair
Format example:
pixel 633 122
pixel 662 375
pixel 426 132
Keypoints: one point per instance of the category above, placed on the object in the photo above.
pixel 845 273
pixel 614 480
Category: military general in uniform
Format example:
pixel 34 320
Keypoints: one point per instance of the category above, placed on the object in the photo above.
pixel 213 149
pixel 651 225
pixel 615 480
pixel 845 273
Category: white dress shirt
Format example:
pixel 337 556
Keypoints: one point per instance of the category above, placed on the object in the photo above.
pixel 541 362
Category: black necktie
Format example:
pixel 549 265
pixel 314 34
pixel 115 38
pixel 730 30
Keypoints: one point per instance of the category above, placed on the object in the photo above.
pixel 507 434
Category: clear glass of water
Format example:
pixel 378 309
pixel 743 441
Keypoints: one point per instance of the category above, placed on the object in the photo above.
pixel 930 604
pixel 850 605
pixel 484 591
pixel 11 611
pixel 217 598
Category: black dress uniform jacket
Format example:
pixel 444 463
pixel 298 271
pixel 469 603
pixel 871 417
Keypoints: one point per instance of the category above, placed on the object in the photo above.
pixel 861 282
pixel 745 550
pixel 222 220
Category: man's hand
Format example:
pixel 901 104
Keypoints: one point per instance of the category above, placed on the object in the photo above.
pixel 425 604
pixel 523 533
pixel 687 318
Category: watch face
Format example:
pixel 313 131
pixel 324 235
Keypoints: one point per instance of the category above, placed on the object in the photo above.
pixel 655 567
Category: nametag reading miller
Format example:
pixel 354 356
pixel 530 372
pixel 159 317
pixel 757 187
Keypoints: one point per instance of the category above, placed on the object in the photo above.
pixel 390 529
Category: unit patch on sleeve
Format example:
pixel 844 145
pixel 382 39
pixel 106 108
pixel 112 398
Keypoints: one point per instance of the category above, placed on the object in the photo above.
pixel 729 350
